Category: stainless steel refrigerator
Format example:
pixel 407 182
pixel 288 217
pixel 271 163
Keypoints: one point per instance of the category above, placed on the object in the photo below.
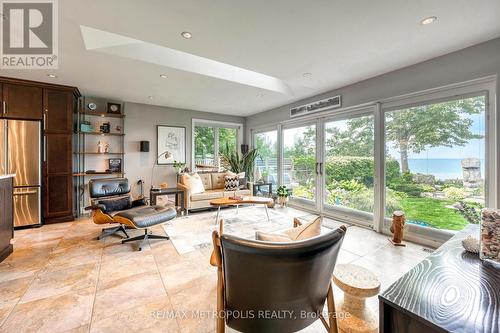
pixel 20 154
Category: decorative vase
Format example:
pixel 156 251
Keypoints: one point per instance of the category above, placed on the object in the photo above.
pixel 490 235
pixel 282 201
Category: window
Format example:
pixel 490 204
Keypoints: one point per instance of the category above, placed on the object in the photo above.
pixel 210 140
pixel 228 139
pixel 204 146
pixel 266 165
pixel 435 162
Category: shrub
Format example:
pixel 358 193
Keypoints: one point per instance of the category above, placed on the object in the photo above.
pixel 455 193
pixel 411 189
pixel 306 192
pixel 471 212
pixel 339 168
pixel 351 185
pixel 405 183
pixel 393 201
pixel 362 200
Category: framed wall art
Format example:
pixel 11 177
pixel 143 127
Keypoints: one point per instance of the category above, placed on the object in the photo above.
pixel 172 139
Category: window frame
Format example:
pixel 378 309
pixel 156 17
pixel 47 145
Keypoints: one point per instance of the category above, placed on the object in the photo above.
pixel 216 125
pixel 482 87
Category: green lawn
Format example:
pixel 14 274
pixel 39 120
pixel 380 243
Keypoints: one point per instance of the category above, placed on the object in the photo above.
pixel 433 212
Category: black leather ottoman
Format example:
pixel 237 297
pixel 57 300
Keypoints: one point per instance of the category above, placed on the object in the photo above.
pixel 143 217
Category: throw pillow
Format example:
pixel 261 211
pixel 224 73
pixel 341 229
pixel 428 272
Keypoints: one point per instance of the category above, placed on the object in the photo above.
pixel 276 238
pixel 305 231
pixel 242 181
pixel 231 183
pixel 194 183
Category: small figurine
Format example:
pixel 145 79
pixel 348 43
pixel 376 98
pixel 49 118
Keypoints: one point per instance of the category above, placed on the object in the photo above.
pixel 397 228
pixel 106 148
pixel 101 147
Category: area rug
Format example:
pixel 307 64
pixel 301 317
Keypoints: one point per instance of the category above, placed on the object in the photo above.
pixel 195 231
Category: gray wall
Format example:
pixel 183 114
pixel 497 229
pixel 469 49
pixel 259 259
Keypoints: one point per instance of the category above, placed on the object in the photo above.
pixel 471 63
pixel 140 125
pixel 474 62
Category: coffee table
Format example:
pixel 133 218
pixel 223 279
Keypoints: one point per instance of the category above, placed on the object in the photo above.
pixel 246 200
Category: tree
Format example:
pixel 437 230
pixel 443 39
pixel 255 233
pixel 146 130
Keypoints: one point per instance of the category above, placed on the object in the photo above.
pixel 443 124
pixel 357 140
pixel 304 144
pixel 413 129
pixel 227 139
pixel 265 146
pixel 204 142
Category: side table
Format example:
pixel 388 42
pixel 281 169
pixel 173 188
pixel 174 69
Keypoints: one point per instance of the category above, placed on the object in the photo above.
pixel 257 186
pixel 179 195
pixel 357 283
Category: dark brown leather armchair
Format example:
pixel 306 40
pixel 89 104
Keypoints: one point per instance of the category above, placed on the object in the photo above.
pixel 258 281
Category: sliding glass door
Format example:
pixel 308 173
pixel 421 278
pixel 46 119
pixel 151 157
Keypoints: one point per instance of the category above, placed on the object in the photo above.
pixel 430 155
pixel 266 165
pixel 300 164
pixel 349 167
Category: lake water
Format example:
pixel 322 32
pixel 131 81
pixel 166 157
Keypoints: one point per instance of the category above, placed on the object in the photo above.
pixel 440 168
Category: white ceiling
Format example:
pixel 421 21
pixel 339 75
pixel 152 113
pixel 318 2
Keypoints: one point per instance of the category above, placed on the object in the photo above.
pixel 339 42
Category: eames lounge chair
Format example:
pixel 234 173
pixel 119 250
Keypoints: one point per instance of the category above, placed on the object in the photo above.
pixel 112 204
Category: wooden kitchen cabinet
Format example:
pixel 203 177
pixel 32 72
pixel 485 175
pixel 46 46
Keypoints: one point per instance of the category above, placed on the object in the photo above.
pixel 20 101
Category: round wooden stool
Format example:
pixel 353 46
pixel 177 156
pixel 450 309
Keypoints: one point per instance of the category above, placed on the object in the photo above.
pixel 357 283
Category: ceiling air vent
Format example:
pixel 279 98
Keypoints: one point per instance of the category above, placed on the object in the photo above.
pixel 327 103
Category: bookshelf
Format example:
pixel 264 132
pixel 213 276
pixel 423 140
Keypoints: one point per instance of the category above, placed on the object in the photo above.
pixel 93 147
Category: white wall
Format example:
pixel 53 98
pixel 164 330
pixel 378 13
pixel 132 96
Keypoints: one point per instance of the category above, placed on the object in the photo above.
pixel 140 125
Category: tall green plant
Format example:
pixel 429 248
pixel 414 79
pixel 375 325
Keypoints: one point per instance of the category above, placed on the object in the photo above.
pixel 233 161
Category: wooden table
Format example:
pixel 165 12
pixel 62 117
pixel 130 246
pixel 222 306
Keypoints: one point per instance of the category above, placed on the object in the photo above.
pixel 247 200
pixel 153 193
pixel 450 291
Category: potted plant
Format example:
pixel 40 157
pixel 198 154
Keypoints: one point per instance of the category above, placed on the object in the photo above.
pixel 234 162
pixel 265 176
pixel 282 194
pixel 179 166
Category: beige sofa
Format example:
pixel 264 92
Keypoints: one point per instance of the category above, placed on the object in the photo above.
pixel 214 188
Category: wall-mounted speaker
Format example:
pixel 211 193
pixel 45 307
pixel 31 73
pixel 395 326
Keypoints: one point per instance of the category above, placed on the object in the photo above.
pixel 244 149
pixel 145 146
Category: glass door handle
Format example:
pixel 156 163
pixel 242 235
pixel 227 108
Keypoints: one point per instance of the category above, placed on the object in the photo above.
pixel 317 164
pixel 321 168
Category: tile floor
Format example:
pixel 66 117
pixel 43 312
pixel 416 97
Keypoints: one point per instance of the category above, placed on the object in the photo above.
pixel 61 279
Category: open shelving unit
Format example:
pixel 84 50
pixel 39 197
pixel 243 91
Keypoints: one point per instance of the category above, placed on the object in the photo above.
pixel 85 154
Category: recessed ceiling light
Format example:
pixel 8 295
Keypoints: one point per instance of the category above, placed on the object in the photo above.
pixel 52 76
pixel 307 75
pixel 150 97
pixel 428 20
pixel 186 34
pixel 163 76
